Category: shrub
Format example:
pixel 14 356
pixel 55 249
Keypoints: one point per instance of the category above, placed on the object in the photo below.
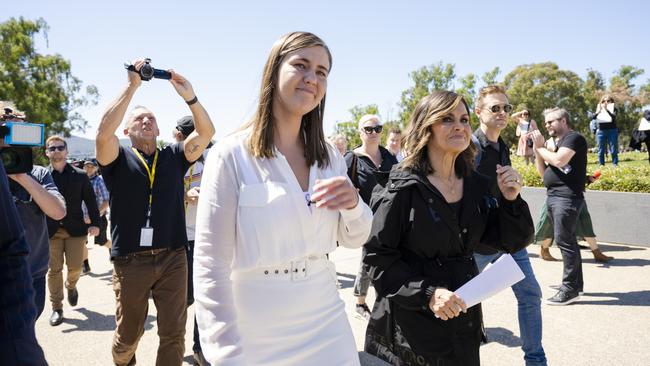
pixel 632 174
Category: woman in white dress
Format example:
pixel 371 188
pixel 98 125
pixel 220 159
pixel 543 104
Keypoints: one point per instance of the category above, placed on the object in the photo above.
pixel 275 199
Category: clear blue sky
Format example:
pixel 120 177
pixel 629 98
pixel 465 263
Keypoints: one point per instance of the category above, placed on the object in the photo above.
pixel 221 46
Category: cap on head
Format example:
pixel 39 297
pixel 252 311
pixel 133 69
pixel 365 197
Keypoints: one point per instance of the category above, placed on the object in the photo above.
pixel 90 162
pixel 185 125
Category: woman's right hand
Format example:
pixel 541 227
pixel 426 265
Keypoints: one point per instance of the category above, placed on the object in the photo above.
pixel 445 304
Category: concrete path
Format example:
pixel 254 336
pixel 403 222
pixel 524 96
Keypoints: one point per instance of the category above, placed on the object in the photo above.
pixel 610 325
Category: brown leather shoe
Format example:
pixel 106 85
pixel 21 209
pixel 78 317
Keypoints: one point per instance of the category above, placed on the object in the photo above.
pixel 600 257
pixel 545 253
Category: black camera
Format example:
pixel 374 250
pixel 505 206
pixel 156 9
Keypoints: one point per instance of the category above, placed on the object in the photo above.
pixel 148 72
pixel 19 138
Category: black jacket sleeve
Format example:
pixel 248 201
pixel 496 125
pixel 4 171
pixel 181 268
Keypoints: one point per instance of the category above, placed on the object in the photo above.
pixel 391 276
pixel 510 226
pixel 88 196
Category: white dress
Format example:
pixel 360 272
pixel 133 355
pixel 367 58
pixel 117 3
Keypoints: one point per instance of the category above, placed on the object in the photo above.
pixel 264 293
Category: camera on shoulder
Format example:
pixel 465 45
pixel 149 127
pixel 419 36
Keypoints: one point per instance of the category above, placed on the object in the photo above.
pixel 148 72
pixel 19 138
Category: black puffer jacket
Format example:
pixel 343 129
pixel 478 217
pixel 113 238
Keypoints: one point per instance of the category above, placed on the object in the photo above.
pixel 418 243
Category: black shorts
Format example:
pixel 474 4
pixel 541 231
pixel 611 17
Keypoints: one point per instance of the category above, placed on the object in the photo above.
pixel 101 239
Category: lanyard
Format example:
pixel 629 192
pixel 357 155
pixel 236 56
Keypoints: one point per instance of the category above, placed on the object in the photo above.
pixel 152 176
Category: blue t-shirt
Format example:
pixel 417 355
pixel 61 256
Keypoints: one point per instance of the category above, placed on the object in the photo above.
pixel 33 220
pixel 128 184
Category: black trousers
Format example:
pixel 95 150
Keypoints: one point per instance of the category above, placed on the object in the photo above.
pixel 196 347
pixel 563 213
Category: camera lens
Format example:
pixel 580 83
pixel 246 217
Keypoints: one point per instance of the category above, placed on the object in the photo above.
pixel 146 71
pixel 10 159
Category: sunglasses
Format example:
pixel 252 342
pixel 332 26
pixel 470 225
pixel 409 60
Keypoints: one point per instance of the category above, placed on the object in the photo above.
pixel 55 148
pixel 370 129
pixel 609 101
pixel 525 114
pixel 497 108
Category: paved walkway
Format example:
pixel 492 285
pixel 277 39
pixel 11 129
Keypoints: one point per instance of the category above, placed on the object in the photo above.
pixel 609 326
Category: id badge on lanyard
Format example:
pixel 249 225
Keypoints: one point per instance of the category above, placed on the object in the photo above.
pixel 146 232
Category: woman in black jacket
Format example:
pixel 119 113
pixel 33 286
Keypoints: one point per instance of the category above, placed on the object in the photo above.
pixel 434 209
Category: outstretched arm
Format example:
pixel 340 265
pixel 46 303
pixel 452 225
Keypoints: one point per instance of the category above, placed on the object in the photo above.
pixel 198 140
pixel 106 143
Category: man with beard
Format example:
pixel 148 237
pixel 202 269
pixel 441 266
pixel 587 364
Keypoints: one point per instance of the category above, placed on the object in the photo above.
pixel 563 169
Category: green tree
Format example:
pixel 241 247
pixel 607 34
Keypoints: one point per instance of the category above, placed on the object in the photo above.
pixel 426 79
pixel 468 90
pixel 544 85
pixel 41 85
pixel 490 77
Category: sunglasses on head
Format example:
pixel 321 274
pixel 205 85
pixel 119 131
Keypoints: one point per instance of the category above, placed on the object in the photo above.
pixel 609 101
pixel 497 108
pixel 54 148
pixel 369 129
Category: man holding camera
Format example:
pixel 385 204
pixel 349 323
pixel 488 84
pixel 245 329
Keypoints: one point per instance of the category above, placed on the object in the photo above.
pixel 492 109
pixel 68 235
pixel 18 344
pixel 147 217
pixel 35 196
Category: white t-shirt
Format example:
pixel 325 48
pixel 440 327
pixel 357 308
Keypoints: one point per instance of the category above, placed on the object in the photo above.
pixel 192 179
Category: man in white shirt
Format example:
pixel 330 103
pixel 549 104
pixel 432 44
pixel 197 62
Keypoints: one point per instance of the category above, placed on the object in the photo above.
pixel 192 186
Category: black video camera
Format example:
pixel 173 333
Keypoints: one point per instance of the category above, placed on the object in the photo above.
pixel 19 138
pixel 147 72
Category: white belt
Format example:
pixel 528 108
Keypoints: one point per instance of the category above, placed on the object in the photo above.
pixel 290 271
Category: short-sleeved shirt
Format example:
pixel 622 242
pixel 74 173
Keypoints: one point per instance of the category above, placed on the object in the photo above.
pixel 128 184
pixel 568 181
pixel 33 218
pixel 101 194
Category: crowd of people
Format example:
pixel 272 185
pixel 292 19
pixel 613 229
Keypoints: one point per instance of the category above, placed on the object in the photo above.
pixel 261 210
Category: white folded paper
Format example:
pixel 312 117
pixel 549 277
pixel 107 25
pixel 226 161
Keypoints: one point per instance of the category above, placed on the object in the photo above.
pixel 496 277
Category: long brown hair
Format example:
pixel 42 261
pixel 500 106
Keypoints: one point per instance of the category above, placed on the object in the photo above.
pixel 261 142
pixel 430 110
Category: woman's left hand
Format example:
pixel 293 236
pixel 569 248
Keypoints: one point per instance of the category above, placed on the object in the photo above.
pixel 335 193
pixel 509 182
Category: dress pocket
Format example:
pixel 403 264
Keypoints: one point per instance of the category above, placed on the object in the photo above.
pixel 267 222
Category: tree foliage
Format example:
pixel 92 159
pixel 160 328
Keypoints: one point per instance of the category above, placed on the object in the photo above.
pixel 537 87
pixel 40 85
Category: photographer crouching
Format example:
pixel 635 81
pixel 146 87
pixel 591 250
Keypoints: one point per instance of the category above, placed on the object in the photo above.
pixel 147 215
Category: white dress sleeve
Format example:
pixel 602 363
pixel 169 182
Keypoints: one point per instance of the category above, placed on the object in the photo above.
pixel 354 224
pixel 214 250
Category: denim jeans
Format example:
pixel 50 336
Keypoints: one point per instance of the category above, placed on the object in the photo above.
pixel 528 294
pixel 563 213
pixel 605 138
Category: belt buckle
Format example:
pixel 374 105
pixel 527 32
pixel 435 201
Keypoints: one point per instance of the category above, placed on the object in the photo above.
pixel 298 270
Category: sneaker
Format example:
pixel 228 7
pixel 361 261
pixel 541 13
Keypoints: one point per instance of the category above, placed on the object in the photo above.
pixel 562 298
pixel 363 311
pixel 86 267
pixel 557 288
